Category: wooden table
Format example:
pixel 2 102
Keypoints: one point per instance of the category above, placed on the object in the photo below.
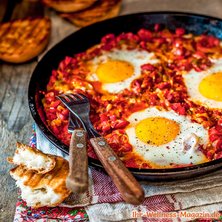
pixel 15 119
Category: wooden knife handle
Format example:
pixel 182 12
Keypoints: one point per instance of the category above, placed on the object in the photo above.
pixel 127 185
pixel 77 180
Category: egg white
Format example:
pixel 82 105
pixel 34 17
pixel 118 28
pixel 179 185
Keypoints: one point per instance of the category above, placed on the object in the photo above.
pixel 173 152
pixel 192 81
pixel 135 57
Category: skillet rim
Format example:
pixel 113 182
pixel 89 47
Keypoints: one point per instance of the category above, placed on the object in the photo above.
pixel 174 172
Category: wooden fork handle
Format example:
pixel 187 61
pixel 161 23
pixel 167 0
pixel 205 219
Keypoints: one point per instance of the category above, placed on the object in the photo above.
pixel 127 185
pixel 77 180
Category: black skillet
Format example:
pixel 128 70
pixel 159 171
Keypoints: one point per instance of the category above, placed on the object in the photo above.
pixel 91 35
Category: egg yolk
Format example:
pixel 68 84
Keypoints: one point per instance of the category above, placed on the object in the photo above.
pixel 211 86
pixel 113 71
pixel 157 130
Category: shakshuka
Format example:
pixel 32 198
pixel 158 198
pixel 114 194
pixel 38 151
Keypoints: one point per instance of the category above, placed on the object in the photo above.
pixel 156 96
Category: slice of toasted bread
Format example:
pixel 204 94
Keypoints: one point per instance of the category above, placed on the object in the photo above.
pixel 101 10
pixel 23 39
pixel 32 159
pixel 68 6
pixel 40 190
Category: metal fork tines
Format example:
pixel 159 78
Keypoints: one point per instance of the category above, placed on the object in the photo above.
pixel 131 191
pixel 79 106
pixel 73 123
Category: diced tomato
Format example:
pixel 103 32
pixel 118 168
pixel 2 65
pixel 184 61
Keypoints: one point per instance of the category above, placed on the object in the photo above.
pixel 180 31
pixel 144 34
pixel 163 85
pixel 56 130
pixel 65 112
pixel 220 122
pixel 127 147
pixel 104 117
pixel 157 27
pixel 214 137
pixel 148 67
pixel 108 38
pixel 121 124
pixel 55 104
pixel 106 127
pixel 218 144
pixel 179 108
pixel 218 155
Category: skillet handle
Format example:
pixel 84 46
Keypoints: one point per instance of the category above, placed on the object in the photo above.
pixel 77 180
pixel 127 185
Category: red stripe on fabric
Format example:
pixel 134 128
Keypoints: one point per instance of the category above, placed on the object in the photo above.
pixel 175 201
pixel 157 220
pixel 104 188
pixel 158 203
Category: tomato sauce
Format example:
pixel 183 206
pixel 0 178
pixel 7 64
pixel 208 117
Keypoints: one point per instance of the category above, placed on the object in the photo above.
pixel 159 85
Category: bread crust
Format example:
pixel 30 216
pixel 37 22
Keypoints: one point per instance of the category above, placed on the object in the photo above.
pixel 54 180
pixel 33 153
pixel 68 6
pixel 23 39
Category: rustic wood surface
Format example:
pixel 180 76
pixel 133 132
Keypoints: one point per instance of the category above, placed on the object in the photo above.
pixel 15 119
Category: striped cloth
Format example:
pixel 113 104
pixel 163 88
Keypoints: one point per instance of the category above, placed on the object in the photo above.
pixel 103 202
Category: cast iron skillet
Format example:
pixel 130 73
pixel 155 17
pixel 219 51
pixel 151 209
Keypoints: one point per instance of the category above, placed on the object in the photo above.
pixel 91 35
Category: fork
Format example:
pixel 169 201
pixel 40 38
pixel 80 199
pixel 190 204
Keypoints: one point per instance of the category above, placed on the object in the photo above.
pixel 128 186
pixel 73 123
pixel 77 179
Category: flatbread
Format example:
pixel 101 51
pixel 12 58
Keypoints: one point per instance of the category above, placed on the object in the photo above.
pixel 33 159
pixel 39 190
pixel 23 39
pixel 101 10
pixel 68 6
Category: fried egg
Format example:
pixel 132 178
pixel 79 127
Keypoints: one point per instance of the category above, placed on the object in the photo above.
pixel 164 138
pixel 205 87
pixel 115 70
